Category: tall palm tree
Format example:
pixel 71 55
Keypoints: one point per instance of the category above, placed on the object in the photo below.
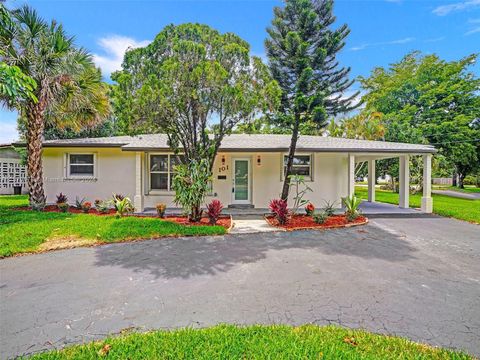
pixel 69 89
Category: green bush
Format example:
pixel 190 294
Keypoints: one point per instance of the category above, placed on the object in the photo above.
pixel 320 217
pixel 351 207
pixel 192 184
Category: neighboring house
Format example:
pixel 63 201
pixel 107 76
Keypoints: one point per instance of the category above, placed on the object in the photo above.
pixel 248 170
pixel 13 174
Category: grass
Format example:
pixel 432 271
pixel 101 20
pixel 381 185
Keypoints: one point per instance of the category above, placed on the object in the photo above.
pixel 30 231
pixel 255 342
pixel 462 209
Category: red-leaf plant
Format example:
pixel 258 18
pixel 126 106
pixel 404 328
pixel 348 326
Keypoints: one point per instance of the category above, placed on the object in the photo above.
pixel 213 211
pixel 279 209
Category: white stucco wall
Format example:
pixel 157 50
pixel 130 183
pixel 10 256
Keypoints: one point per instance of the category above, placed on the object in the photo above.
pixel 115 173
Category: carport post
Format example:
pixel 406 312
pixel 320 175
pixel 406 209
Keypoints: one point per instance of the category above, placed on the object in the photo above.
pixel 351 175
pixel 138 198
pixel 371 180
pixel 427 201
pixel 404 179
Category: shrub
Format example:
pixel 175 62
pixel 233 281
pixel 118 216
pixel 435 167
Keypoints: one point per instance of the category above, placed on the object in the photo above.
pixel 123 205
pixel 309 209
pixel 118 196
pixel 351 207
pixel 300 190
pixel 86 206
pixel 213 211
pixel 191 184
pixel 102 206
pixel 62 202
pixel 329 208
pixel 161 209
pixel 79 202
pixel 61 198
pixel 320 217
pixel 279 209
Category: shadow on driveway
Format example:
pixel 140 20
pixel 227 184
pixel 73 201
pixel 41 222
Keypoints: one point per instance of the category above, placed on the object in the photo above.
pixel 186 257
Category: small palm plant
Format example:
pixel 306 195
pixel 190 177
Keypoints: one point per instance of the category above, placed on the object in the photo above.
pixel 351 204
pixel 123 205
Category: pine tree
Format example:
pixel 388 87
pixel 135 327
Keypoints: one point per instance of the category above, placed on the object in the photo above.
pixel 302 48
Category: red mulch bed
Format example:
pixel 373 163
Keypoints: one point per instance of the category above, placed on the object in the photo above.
pixel 71 209
pixel 299 222
pixel 224 221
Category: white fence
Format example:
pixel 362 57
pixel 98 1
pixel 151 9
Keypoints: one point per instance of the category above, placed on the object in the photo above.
pixel 12 174
pixel 442 181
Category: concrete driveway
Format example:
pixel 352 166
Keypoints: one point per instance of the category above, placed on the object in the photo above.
pixel 413 277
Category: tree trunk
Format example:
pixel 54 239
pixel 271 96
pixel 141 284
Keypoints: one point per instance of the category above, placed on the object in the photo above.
pixel 35 127
pixel 461 177
pixel 196 213
pixel 291 154
pixel 454 178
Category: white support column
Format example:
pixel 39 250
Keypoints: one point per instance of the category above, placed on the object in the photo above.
pixel 351 175
pixel 404 181
pixel 371 180
pixel 427 201
pixel 138 199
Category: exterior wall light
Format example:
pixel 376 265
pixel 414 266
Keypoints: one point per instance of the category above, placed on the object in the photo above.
pixel 259 160
pixel 223 160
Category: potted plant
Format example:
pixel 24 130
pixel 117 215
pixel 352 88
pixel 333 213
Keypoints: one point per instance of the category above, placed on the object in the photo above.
pixel 86 206
pixel 213 211
pixel 62 203
pixel 161 209
pixel 309 209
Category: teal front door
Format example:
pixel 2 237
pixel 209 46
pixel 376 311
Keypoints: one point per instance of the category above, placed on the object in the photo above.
pixel 241 181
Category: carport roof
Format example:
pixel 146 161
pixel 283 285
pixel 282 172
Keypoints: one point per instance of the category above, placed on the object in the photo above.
pixel 249 143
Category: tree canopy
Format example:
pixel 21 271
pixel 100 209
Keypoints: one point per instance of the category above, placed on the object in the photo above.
pixel 194 84
pixel 424 99
pixel 69 91
pixel 302 47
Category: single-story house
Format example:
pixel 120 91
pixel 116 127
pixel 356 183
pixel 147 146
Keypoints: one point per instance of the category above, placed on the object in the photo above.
pixel 248 170
pixel 13 174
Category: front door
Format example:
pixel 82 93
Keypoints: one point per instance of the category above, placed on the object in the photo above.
pixel 241 181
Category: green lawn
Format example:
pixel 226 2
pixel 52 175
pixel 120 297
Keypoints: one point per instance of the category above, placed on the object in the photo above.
pixel 462 209
pixel 30 231
pixel 255 342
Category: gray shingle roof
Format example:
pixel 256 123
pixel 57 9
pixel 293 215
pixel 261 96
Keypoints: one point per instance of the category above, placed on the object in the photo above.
pixel 245 142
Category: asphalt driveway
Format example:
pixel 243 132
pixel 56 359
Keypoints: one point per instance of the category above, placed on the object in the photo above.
pixel 413 277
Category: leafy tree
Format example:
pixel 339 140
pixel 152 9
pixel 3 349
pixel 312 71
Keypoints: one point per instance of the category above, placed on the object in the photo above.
pixel 15 84
pixel 302 48
pixel 193 84
pixel 364 126
pixel 69 88
pixel 424 99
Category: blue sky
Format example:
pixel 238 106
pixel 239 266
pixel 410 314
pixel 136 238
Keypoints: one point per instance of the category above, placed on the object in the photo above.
pixel 382 31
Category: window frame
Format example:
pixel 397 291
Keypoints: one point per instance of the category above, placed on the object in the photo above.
pixel 69 174
pixel 169 172
pixel 308 178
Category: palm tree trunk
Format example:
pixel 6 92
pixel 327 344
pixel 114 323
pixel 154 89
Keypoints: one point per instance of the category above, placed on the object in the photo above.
pixel 35 127
pixel 291 154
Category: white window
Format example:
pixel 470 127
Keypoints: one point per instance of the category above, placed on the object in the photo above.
pixel 81 165
pixel 162 171
pixel 302 165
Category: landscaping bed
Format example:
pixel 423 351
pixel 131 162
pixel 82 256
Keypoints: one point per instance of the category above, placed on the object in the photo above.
pixel 255 342
pixel 224 221
pixel 302 222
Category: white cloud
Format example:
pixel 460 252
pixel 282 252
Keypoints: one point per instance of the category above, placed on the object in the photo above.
pixel 443 10
pixel 476 28
pixel 393 42
pixel 114 48
pixel 437 39
pixel 8 126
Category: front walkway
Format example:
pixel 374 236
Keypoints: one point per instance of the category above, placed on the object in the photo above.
pixel 413 277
